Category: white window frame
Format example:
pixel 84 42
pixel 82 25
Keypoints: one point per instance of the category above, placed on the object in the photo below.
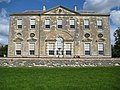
pixel 88 48
pixel 68 47
pixel 72 22
pixel 17 48
pixel 47 22
pixel 31 23
pixel 31 49
pixel 86 23
pixel 50 46
pixel 59 22
pixel 19 23
pixel 101 48
pixel 99 23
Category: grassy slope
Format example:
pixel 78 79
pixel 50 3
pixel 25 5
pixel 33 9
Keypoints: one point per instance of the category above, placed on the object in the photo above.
pixel 92 78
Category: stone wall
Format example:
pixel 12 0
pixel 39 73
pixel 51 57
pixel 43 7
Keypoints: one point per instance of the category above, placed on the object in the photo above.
pixel 58 62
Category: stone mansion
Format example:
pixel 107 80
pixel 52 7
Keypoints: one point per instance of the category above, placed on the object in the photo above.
pixel 59 32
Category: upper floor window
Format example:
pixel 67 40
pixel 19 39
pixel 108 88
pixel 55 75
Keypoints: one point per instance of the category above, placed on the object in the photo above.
pixel 87 48
pixel 19 23
pixel 32 23
pixel 32 48
pixel 99 24
pixel 72 23
pixel 47 23
pixel 100 48
pixel 86 24
pixel 59 23
pixel 18 48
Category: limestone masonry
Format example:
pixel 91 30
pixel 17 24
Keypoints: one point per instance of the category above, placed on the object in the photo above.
pixel 59 32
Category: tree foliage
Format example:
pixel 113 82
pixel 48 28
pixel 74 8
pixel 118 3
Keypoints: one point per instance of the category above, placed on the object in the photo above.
pixel 116 47
pixel 3 51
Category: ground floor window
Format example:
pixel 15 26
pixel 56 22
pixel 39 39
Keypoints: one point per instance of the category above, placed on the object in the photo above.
pixel 87 48
pixel 32 48
pixel 68 48
pixel 18 48
pixel 68 52
pixel 50 49
pixel 100 48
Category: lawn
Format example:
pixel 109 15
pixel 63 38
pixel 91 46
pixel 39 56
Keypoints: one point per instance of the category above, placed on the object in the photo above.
pixel 66 78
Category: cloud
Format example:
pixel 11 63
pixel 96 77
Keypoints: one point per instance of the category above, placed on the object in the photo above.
pixel 101 5
pixel 106 6
pixel 7 1
pixel 115 17
pixel 4 26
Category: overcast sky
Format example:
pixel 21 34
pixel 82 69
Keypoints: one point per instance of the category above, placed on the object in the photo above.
pixel 103 6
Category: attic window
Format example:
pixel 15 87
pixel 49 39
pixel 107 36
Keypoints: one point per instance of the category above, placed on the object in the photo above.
pixel 60 10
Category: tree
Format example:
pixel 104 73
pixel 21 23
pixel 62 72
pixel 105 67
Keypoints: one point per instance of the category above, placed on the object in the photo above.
pixel 116 48
pixel 3 50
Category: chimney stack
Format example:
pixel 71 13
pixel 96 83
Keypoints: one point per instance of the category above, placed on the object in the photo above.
pixel 44 7
pixel 75 7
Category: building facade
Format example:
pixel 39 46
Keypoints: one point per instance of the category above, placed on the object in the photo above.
pixel 59 32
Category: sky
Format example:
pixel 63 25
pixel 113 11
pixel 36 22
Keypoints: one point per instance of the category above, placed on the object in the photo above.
pixel 101 6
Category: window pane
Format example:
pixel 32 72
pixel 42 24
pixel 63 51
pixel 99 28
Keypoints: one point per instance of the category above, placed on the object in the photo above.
pixel 50 46
pixel 86 22
pixel 32 26
pixel 32 46
pixel 51 52
pixel 100 47
pixel 19 22
pixel 68 52
pixel 18 52
pixel 99 22
pixel 87 46
pixel 18 46
pixel 32 22
pixel 67 46
pixel 87 52
pixel 72 22
pixel 32 52
pixel 47 26
pixel 47 22
pixel 59 22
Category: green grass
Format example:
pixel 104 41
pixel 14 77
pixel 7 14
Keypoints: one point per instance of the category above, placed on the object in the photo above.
pixel 88 78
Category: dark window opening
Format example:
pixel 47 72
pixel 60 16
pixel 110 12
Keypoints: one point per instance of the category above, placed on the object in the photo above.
pixel 87 52
pixel 101 52
pixel 87 26
pixel 32 26
pixel 99 26
pixel 18 52
pixel 32 52
pixel 47 26
pixel 72 26
pixel 51 52
pixel 59 26
pixel 19 26
pixel 68 52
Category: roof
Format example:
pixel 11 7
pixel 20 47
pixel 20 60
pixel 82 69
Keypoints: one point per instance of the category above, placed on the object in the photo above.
pixel 39 12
